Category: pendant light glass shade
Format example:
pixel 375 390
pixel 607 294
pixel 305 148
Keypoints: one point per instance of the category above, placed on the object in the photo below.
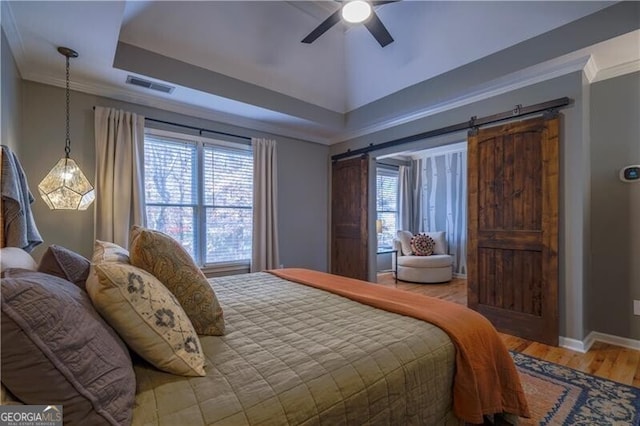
pixel 65 186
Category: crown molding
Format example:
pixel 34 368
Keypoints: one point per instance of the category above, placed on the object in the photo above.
pixel 590 70
pixel 121 94
pixel 13 36
pixel 617 70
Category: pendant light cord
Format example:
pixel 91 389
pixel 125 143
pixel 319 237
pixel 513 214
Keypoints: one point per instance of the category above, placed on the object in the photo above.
pixel 67 145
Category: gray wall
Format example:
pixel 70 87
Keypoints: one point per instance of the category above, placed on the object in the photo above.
pixel 11 91
pixel 615 207
pixel 302 173
pixel 574 191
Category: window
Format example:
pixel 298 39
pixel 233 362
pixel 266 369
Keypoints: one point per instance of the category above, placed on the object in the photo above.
pixel 386 206
pixel 200 192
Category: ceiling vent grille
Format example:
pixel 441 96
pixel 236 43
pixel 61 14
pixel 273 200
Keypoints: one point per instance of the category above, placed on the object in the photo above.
pixel 137 81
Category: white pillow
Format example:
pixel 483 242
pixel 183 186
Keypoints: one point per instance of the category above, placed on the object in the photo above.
pixel 440 240
pixel 14 257
pixel 405 241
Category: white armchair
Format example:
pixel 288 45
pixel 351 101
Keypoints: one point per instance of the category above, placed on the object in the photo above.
pixel 436 268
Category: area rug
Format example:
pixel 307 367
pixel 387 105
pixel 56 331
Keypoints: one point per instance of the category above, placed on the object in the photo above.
pixel 559 395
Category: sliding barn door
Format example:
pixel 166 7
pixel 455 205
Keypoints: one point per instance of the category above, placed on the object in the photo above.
pixel 349 218
pixel 513 227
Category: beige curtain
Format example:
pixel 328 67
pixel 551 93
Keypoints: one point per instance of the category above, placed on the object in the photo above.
pixel 119 174
pixel 265 206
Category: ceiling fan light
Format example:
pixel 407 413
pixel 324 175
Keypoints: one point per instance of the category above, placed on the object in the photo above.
pixel 356 11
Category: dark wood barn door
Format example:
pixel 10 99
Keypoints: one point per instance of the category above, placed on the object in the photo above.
pixel 513 227
pixel 349 218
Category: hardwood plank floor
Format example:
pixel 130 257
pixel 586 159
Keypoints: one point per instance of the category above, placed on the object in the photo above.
pixel 603 360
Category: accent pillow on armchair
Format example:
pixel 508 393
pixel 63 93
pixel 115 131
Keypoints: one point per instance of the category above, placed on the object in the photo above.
pixel 438 237
pixel 405 242
pixel 422 245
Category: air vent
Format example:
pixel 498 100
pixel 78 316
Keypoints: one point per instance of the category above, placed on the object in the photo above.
pixel 137 81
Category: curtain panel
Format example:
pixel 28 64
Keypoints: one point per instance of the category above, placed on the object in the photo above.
pixel 265 251
pixel 410 191
pixel 119 138
pixel 445 202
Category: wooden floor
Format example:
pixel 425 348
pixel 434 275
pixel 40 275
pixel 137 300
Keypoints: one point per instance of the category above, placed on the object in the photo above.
pixel 603 360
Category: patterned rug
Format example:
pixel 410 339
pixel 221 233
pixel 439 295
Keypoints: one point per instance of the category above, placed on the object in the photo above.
pixel 559 395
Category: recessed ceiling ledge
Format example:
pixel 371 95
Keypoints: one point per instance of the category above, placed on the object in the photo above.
pixel 147 63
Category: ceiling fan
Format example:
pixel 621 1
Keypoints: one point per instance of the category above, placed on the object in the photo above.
pixel 362 13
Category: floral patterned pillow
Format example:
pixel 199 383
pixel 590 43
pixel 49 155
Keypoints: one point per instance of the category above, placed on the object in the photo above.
pixel 422 245
pixel 147 317
pixel 167 260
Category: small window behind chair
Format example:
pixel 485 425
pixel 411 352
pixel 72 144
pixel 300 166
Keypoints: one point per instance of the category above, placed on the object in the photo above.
pixel 386 205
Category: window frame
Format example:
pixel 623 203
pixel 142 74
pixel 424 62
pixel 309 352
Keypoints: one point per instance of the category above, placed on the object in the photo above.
pixel 200 209
pixel 390 171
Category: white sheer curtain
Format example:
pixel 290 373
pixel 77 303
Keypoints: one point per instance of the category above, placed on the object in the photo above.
pixel 410 191
pixel 265 253
pixel 119 174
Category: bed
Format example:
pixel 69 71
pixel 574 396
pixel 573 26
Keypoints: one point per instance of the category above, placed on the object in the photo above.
pixel 294 354
pixel 300 348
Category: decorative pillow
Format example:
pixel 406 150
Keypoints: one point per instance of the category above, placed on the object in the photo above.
pixel 422 245
pixel 56 349
pixel 66 264
pixel 104 251
pixel 14 257
pixel 168 261
pixel 148 317
pixel 405 241
pixel 440 240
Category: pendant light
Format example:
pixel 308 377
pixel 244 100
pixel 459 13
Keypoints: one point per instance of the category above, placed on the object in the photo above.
pixel 66 187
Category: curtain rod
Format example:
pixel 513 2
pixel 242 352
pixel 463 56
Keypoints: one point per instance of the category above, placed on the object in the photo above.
pixel 473 123
pixel 199 129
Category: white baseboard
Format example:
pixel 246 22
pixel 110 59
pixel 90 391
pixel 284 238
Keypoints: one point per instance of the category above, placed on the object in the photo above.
pixel 595 336
pixel 573 344
pixel 614 340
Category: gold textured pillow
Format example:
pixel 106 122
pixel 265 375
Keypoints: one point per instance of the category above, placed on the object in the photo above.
pixel 147 317
pixel 168 261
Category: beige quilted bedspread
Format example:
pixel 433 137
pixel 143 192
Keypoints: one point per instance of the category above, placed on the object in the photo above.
pixel 297 355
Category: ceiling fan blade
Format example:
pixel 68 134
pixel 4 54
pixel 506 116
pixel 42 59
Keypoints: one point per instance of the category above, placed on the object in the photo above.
pixel 381 2
pixel 378 30
pixel 323 27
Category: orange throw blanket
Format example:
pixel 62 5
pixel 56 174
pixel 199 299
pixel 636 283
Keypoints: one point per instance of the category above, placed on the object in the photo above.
pixel 486 380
